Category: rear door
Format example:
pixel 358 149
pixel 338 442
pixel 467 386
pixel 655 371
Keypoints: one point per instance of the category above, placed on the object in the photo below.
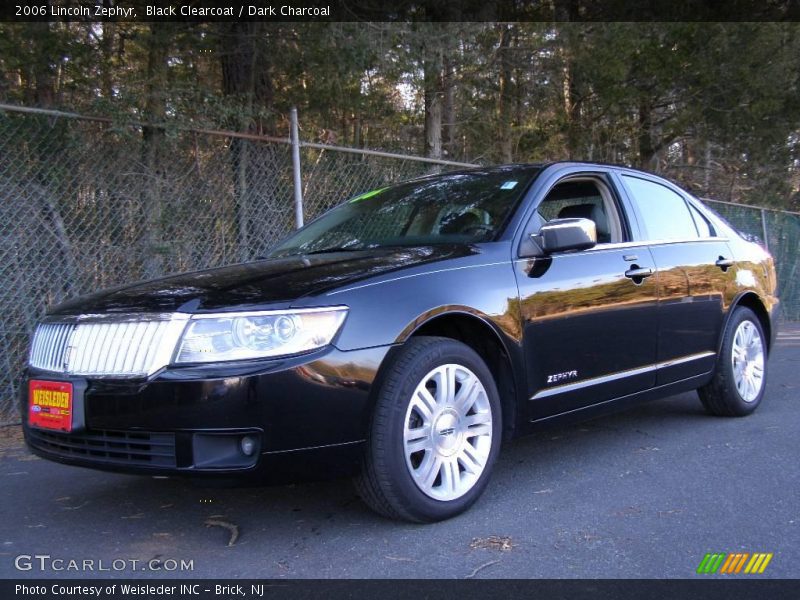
pixel 589 330
pixel 694 269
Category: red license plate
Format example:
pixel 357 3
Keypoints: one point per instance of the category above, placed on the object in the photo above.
pixel 50 405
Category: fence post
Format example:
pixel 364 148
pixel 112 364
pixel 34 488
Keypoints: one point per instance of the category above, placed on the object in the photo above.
pixel 298 182
pixel 764 228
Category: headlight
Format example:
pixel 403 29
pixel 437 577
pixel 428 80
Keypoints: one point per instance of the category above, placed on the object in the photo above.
pixel 240 336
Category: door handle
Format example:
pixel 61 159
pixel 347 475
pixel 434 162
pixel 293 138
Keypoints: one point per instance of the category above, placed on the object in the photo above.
pixel 724 263
pixel 637 272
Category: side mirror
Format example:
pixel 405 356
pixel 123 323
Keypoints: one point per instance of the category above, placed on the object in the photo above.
pixel 560 235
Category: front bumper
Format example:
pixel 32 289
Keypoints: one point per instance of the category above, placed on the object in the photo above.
pixel 301 413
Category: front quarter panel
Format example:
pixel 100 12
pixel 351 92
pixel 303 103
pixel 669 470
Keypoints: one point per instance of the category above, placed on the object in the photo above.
pixel 387 310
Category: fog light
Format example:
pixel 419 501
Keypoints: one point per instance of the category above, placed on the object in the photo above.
pixel 248 445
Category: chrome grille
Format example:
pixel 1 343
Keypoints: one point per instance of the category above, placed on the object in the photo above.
pixel 118 346
pixel 49 345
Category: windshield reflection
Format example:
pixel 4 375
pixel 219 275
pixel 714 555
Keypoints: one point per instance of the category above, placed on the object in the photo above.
pixel 463 207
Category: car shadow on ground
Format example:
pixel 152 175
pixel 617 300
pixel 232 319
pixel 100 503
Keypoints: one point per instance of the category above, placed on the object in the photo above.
pixel 136 498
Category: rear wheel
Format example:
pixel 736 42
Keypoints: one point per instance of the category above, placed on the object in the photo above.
pixel 740 377
pixel 435 433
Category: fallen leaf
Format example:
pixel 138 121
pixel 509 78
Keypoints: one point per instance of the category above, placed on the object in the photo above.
pixel 234 529
pixel 629 510
pixel 493 542
pixel 586 536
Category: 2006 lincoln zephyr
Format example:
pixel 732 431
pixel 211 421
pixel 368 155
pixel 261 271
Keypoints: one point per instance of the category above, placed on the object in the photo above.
pixel 403 334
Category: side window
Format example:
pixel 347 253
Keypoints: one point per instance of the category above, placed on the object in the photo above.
pixel 583 198
pixel 665 213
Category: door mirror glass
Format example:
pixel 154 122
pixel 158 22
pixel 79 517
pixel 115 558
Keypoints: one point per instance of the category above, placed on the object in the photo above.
pixel 560 235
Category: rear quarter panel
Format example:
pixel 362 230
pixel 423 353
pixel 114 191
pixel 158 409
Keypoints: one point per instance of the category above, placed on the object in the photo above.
pixel 755 273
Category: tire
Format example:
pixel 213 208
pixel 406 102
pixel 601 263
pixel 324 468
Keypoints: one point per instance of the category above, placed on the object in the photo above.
pixel 740 376
pixel 411 430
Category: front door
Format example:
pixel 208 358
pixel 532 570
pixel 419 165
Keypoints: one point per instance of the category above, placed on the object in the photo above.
pixel 589 330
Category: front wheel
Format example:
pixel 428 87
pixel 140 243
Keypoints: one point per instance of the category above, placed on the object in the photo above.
pixel 435 433
pixel 741 372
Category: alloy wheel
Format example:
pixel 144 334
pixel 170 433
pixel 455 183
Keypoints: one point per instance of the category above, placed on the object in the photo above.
pixel 747 357
pixel 447 435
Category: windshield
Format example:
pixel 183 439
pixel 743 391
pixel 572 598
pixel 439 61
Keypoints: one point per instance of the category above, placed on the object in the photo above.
pixel 461 207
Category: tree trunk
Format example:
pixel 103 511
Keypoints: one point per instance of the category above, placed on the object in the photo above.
pixel 567 10
pixel 107 50
pixel 357 131
pixel 246 79
pixel 246 73
pixel 449 108
pixel 433 103
pixel 504 96
pixel 44 69
pixel 439 93
pixel 158 44
pixel 645 134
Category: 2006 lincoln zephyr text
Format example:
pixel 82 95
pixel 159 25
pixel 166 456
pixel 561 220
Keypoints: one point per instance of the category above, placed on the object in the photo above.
pixel 400 336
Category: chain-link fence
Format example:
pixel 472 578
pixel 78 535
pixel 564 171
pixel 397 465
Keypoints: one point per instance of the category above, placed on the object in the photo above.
pixel 87 203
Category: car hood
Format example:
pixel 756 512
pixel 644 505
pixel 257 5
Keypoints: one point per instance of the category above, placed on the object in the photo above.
pixel 259 283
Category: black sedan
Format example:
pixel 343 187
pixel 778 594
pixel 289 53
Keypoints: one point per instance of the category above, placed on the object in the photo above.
pixel 403 335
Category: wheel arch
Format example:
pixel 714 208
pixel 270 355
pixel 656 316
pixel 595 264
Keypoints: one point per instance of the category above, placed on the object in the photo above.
pixel 749 300
pixel 477 333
